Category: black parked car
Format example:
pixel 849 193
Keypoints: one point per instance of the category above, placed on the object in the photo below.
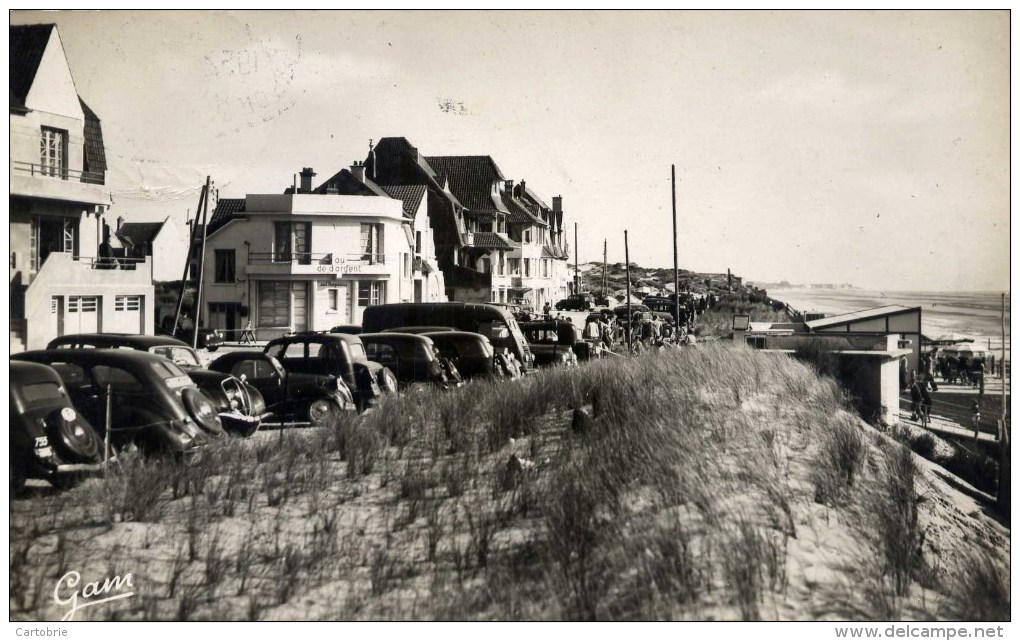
pixel 577 302
pixel 49 439
pixel 474 355
pixel 289 396
pixel 156 406
pixel 346 329
pixel 240 405
pixel 340 355
pixel 420 329
pixel 556 342
pixel 414 358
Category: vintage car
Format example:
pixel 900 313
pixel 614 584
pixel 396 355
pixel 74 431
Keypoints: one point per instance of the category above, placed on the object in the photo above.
pixel 240 405
pixel 340 355
pixel 289 396
pixel 495 323
pixel 49 438
pixel 474 356
pixel 155 405
pixel 413 358
pixel 555 343
pixel 577 302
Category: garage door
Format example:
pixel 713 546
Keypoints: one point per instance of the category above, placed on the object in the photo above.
pixel 82 314
pixel 127 315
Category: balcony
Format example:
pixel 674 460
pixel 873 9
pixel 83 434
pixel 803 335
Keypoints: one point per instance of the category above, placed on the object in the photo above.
pixel 33 180
pixel 308 263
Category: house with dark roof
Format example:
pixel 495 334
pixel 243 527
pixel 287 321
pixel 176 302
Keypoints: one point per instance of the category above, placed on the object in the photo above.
pixel 165 242
pixel 306 259
pixel 477 182
pixel 428 282
pixel 64 276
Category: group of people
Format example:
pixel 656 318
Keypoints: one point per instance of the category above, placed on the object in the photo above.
pixel 953 368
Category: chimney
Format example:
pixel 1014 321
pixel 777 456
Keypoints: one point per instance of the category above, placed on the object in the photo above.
pixel 306 180
pixel 120 223
pixel 358 169
pixel 522 188
pixel 558 204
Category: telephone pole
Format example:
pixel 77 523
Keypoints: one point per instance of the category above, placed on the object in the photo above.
pixel 577 273
pixel 630 321
pixel 676 264
pixel 201 264
pixel 187 260
pixel 604 284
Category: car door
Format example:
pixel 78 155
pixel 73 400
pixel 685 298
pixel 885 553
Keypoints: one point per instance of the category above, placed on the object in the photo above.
pixel 261 374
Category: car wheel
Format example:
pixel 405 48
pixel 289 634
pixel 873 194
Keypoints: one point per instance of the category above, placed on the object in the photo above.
pixel 212 348
pixel 388 381
pixel 323 411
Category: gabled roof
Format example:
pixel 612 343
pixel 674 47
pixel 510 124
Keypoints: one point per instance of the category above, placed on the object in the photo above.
pixel 345 182
pixel 409 195
pixel 226 210
pixel 471 179
pixel 138 233
pixel 519 213
pixel 864 314
pixel 493 240
pixel 27 46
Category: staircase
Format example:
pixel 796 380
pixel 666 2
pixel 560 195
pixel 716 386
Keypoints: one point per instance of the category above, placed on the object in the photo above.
pixel 18 327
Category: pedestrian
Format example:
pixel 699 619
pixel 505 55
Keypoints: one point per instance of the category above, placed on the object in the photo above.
pixel 547 309
pixel 925 403
pixel 915 397
pixel 975 418
pixel 903 373
pixel 979 373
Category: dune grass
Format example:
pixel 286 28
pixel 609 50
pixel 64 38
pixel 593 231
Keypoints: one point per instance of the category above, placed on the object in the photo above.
pixel 680 499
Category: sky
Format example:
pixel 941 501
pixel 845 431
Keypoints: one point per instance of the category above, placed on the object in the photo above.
pixel 869 148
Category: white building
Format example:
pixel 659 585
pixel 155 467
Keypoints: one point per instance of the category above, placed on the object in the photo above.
pixel 308 261
pixel 165 242
pixel 63 277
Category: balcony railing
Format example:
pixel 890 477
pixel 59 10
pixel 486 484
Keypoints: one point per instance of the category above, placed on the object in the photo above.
pixel 309 258
pixel 112 262
pixel 59 173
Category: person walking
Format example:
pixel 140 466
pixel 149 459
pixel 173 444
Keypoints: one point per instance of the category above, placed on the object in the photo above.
pixel 915 396
pixel 903 373
pixel 925 406
pixel 547 309
pixel 975 416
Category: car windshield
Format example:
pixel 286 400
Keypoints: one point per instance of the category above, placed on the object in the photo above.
pixel 183 356
pixel 358 351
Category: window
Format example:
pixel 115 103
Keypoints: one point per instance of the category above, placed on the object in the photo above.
pixel 253 369
pixel 371 292
pixel 484 265
pixel 515 266
pixel 292 241
pixel 82 303
pixel 485 226
pixel 334 299
pixel 407 265
pixel 502 264
pixel 70 230
pixel 545 268
pixel 417 243
pixel 371 243
pixel 225 261
pixel 127 303
pixel 53 152
pixel 527 267
pixel 527 235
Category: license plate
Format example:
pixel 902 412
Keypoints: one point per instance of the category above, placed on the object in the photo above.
pixel 44 452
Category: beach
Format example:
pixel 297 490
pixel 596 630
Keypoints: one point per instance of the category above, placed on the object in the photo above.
pixel 974 315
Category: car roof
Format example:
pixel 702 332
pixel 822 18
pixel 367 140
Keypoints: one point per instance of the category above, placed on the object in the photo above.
pixel 418 329
pixel 123 357
pixel 142 341
pixel 454 335
pixel 379 336
pixel 25 372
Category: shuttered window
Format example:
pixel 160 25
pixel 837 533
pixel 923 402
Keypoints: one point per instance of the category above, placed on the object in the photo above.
pixel 127 303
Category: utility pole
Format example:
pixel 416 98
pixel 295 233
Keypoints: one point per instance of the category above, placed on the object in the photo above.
pixel 577 273
pixel 1003 495
pixel 187 259
pixel 676 264
pixel 630 321
pixel 604 283
pixel 201 265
